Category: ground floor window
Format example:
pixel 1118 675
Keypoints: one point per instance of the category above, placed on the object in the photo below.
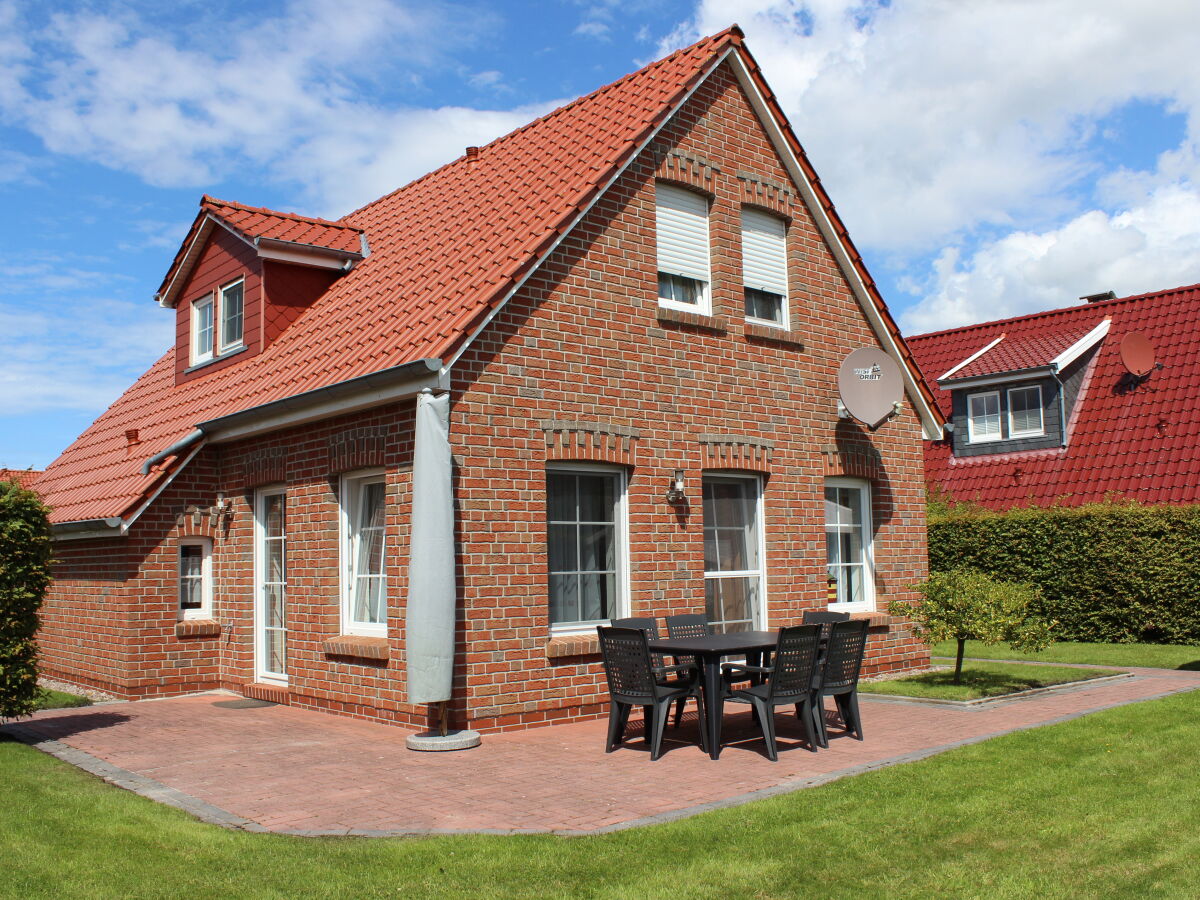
pixel 195 578
pixel 364 579
pixel 733 568
pixel 848 544
pixel 271 568
pixel 585 534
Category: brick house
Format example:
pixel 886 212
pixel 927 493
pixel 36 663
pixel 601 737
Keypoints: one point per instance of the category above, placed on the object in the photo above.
pixel 1044 411
pixel 645 289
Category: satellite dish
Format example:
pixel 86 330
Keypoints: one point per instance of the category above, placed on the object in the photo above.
pixel 1137 354
pixel 870 385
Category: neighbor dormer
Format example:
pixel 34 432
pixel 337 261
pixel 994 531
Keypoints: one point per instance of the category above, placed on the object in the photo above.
pixel 243 275
pixel 1017 394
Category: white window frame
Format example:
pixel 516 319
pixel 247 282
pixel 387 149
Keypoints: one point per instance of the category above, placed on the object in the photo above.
pixel 200 355
pixel 1041 429
pixel 350 495
pixel 758 277
pixel 621 517
pixel 760 614
pixel 260 496
pixel 206 586
pixel 863 486
pixel 700 272
pixel 972 438
pixel 221 315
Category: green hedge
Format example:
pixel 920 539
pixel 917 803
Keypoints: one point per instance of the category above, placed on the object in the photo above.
pixel 1109 573
pixel 24 577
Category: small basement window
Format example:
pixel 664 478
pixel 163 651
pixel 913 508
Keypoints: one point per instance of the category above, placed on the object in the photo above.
pixel 683 267
pixel 1025 412
pixel 983 417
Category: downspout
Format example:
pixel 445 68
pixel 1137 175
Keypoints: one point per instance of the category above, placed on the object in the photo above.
pixel 1062 407
pixel 173 450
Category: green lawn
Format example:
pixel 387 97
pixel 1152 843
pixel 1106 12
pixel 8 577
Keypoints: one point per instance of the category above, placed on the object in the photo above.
pixel 1155 656
pixel 1096 807
pixel 61 700
pixel 980 679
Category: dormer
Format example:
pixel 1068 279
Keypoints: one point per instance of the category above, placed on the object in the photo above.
pixel 243 275
pixel 1016 394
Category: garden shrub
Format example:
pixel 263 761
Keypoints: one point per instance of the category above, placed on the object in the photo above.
pixel 1109 573
pixel 24 576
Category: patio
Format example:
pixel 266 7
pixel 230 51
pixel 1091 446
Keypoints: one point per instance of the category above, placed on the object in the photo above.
pixel 281 769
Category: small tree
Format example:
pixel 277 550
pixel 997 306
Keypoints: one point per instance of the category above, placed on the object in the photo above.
pixel 964 604
pixel 24 576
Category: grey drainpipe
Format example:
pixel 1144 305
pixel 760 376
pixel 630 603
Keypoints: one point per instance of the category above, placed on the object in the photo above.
pixel 1062 408
pixel 174 449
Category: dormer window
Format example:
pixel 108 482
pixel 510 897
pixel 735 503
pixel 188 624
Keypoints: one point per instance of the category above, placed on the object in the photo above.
pixel 983 417
pixel 202 330
pixel 231 315
pixel 682 227
pixel 1025 412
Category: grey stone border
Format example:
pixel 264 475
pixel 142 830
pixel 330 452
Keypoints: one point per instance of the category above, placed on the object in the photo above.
pixel 213 815
pixel 986 702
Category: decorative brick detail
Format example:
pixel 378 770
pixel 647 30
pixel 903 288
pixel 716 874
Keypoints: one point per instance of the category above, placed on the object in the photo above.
pixel 573 645
pixel 272 693
pixel 715 324
pixel 685 168
pixel 197 628
pixel 757 332
pixel 199 521
pixel 735 451
pixel 759 191
pixel 264 466
pixel 357 645
pixel 853 462
pixel 357 448
pixel 593 441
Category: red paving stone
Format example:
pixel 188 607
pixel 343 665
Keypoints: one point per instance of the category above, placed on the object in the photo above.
pixel 290 769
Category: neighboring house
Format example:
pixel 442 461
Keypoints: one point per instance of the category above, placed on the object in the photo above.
pixel 647 289
pixel 23 477
pixel 1042 409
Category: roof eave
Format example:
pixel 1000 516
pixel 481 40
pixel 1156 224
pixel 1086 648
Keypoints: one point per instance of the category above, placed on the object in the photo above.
pixel 953 384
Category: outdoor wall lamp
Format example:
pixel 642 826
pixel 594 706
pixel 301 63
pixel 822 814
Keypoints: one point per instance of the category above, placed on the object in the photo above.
pixel 675 491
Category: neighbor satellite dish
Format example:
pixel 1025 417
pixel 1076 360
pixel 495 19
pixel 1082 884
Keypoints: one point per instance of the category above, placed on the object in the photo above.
pixel 870 385
pixel 1137 354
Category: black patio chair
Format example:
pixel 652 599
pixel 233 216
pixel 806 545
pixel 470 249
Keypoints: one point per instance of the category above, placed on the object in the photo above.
pixel 825 618
pixel 686 625
pixel 789 681
pixel 838 677
pixel 634 681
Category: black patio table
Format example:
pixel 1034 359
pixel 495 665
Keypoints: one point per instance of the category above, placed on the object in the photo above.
pixel 708 651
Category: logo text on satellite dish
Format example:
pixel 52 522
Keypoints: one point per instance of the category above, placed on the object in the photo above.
pixel 871 373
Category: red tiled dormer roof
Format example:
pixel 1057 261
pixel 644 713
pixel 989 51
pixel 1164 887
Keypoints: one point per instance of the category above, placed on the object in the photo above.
pixel 1013 354
pixel 254 222
pixel 445 252
pixel 1124 441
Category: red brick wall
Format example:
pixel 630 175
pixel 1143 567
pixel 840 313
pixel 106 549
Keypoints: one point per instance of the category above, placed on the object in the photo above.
pixel 583 342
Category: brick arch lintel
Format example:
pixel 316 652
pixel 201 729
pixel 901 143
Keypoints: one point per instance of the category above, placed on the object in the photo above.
pixel 590 442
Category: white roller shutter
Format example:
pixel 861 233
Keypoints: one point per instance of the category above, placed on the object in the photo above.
pixel 764 257
pixel 682 232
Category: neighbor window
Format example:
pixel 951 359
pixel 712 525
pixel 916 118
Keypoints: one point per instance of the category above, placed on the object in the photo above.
pixel 1025 412
pixel 202 330
pixel 585 513
pixel 195 578
pixel 983 417
pixel 733 569
pixel 231 315
pixel 848 544
pixel 764 266
pixel 682 227
pixel 364 580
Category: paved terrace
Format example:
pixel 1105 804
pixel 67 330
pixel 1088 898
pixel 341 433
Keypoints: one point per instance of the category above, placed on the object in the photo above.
pixel 276 768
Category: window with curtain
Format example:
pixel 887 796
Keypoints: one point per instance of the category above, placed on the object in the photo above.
pixel 848 544
pixel 683 255
pixel 764 266
pixel 733 570
pixel 364 582
pixel 195 578
pixel 584 533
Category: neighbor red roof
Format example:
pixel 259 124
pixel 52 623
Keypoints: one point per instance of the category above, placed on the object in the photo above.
pixel 445 250
pixel 1014 353
pixel 23 477
pixel 1141 443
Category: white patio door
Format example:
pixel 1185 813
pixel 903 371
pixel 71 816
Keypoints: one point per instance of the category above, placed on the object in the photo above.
pixel 270 567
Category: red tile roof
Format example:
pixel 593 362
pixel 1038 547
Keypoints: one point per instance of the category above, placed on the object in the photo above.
pixel 23 477
pixel 255 222
pixel 446 250
pixel 1141 443
pixel 1015 353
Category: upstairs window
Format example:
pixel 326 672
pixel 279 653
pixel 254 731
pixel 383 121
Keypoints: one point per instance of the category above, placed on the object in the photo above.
pixel 1025 412
pixel 231 315
pixel 764 267
pixel 202 330
pixel 682 226
pixel 983 417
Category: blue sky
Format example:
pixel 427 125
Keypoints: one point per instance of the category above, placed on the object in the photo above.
pixel 989 159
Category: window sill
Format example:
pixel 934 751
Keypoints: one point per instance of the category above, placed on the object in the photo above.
pixel 197 628
pixel 758 332
pixel 669 316
pixel 564 645
pixel 216 359
pixel 874 620
pixel 358 646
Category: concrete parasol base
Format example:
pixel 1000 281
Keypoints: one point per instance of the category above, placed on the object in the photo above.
pixel 455 740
